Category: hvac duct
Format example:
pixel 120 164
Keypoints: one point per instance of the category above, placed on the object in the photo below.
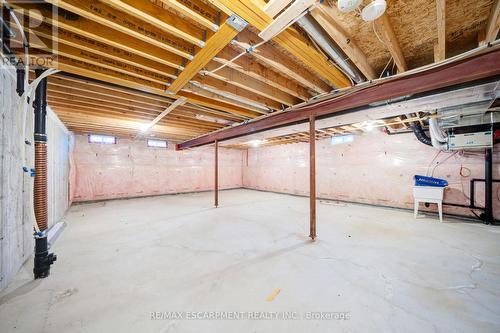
pixel 420 134
pixel 438 139
pixel 323 41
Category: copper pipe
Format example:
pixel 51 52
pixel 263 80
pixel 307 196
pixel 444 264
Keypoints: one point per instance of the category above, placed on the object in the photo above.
pixel 312 178
pixel 216 174
pixel 40 190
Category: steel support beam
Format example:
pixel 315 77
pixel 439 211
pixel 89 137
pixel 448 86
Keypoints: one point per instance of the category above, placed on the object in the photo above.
pixel 481 66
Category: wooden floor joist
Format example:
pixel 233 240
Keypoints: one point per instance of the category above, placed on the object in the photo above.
pixel 101 13
pixel 215 44
pixel 100 34
pixel 99 91
pixel 190 13
pixel 247 66
pixel 270 57
pixel 289 39
pixel 102 74
pixel 148 12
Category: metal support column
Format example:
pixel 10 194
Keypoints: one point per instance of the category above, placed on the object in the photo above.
pixel 312 177
pixel 488 187
pixel 216 175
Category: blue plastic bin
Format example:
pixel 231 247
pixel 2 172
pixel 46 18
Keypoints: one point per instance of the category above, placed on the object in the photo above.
pixel 429 181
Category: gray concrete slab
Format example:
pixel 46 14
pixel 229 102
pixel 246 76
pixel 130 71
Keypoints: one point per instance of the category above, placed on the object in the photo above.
pixel 378 269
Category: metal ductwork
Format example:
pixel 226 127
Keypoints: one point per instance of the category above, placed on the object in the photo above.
pixel 323 41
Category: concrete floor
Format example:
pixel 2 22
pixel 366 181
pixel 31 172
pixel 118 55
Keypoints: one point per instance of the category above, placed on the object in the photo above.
pixel 119 261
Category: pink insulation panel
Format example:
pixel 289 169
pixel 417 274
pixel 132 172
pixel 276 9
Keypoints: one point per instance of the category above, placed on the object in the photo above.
pixel 130 169
pixel 375 168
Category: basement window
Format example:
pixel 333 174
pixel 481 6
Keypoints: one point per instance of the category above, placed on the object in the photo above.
pixel 336 140
pixel 157 143
pixel 106 139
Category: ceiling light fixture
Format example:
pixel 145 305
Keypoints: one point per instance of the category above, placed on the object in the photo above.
pixel 374 10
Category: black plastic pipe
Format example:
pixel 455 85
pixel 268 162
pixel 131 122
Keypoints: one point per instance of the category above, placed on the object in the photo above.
pixel 40 108
pixel 20 80
pixel 488 187
pixel 43 259
pixel 420 134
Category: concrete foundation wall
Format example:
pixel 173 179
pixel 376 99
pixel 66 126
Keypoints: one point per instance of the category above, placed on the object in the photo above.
pixel 376 169
pixel 130 169
pixel 16 225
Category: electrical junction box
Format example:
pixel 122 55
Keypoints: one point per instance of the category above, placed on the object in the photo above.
pixel 470 140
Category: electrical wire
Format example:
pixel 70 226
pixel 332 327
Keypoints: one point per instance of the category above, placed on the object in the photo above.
pixel 376 34
pixel 441 162
pixel 432 162
pixel 382 74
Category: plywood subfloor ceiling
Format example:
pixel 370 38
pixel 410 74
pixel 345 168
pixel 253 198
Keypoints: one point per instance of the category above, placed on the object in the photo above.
pixel 124 62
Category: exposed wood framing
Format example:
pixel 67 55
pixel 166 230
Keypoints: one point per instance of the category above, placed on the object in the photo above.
pixel 440 47
pixel 216 43
pixel 191 14
pixel 153 46
pixel 171 108
pixel 267 55
pixel 493 26
pixel 384 28
pixel 273 7
pixel 110 76
pixel 326 16
pixel 110 17
pixel 288 39
pixel 244 81
pixel 148 12
pixel 100 34
pixel 127 97
pixel 284 19
pixel 249 67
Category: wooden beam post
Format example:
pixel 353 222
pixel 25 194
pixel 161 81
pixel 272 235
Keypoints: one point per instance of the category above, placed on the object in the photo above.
pixel 216 175
pixel 312 177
